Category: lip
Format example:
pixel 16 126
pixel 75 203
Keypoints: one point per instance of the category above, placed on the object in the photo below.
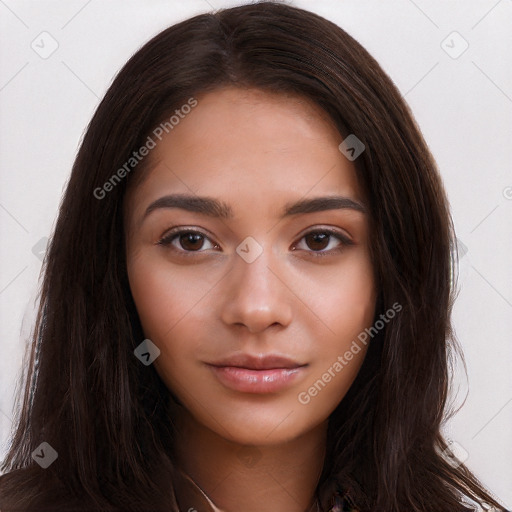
pixel 257 374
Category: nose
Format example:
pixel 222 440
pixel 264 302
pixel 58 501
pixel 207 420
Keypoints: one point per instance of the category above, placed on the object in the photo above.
pixel 256 296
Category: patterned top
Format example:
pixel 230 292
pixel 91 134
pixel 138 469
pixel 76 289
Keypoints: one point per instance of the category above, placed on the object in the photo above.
pixel 191 498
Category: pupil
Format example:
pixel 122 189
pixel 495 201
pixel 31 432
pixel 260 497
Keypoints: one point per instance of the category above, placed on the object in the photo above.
pixel 318 238
pixel 192 239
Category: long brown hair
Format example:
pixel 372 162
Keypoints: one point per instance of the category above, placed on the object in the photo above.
pixel 110 418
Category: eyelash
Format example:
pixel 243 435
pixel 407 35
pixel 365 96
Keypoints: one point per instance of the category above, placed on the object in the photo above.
pixel 167 240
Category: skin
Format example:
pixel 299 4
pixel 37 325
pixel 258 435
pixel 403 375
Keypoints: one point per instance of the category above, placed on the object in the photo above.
pixel 256 152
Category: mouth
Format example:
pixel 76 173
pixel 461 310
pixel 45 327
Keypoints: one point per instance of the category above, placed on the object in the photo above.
pixel 257 374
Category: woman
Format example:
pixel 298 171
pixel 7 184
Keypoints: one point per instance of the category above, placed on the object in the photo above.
pixel 246 300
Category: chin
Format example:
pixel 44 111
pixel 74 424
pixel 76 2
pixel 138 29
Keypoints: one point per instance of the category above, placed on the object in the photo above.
pixel 261 426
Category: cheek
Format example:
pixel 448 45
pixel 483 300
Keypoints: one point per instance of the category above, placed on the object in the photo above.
pixel 343 299
pixel 353 307
pixel 175 313
pixel 346 305
pixel 163 297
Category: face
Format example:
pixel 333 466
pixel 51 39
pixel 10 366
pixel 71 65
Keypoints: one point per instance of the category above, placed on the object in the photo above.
pixel 254 286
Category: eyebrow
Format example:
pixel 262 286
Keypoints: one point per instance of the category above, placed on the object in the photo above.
pixel 218 209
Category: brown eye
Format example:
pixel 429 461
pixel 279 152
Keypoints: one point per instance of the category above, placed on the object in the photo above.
pixel 191 241
pixel 186 241
pixel 317 241
pixel 324 242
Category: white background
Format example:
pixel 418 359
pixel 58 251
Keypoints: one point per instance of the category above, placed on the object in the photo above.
pixel 463 106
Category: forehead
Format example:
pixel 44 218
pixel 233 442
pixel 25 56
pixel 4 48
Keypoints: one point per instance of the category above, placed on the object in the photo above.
pixel 247 142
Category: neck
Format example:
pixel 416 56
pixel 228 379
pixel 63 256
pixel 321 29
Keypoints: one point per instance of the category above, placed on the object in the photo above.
pixel 235 477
